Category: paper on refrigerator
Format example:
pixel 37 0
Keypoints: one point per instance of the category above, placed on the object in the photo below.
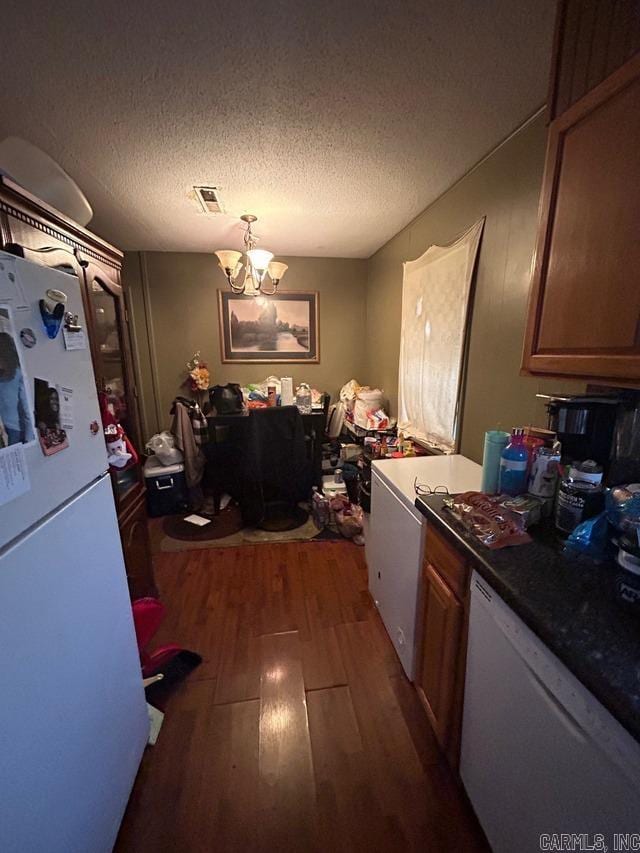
pixel 74 340
pixel 11 292
pixel 14 473
pixel 66 407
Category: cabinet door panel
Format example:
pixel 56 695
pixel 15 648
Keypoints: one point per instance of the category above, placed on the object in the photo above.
pixel 443 618
pixel 591 295
pixel 113 368
pixel 584 315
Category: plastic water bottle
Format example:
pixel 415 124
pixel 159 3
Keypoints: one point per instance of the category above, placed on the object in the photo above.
pixel 513 465
pixel 319 508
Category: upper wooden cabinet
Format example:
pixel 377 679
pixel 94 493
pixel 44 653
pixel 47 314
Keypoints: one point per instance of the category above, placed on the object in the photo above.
pixel 593 39
pixel 584 311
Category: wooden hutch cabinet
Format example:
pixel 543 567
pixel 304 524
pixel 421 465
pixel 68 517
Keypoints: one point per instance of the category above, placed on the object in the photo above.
pixel 37 232
pixel 584 311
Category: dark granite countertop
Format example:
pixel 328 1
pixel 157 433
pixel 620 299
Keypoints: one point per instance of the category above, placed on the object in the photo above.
pixel 569 602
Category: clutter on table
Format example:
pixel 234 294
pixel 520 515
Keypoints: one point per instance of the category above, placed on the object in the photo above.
pixel 273 391
pixel 227 399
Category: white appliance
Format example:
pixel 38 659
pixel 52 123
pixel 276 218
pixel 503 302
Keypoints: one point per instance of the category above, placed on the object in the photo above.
pixel 395 538
pixel 73 719
pixel 540 755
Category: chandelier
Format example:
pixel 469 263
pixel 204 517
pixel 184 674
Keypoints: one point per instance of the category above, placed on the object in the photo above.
pixel 258 264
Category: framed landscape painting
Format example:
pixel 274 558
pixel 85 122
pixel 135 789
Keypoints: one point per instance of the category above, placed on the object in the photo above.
pixel 282 327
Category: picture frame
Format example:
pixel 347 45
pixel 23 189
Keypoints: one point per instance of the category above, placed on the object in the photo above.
pixel 281 328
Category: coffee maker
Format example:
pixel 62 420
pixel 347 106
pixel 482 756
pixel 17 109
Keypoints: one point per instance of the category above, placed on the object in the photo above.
pixel 603 427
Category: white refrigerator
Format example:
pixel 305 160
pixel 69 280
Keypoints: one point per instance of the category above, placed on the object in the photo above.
pixel 73 720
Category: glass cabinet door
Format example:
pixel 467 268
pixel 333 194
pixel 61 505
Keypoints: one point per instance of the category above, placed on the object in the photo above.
pixel 110 362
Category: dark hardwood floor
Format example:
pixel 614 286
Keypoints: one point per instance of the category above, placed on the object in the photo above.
pixel 299 732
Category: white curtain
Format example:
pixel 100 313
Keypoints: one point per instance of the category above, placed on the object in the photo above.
pixel 435 305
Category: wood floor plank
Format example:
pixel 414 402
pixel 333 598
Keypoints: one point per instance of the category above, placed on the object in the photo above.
pixel 321 656
pixel 322 660
pixel 421 799
pixel 320 590
pixel 238 676
pixel 395 766
pixel 222 813
pixel 347 766
pixel 196 787
pixel 355 604
pixel 424 740
pixel 287 793
pixel 276 614
pixel 350 816
pixel 195 607
pixel 383 646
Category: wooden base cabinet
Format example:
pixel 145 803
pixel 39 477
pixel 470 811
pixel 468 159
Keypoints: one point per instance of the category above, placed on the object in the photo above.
pixel 442 641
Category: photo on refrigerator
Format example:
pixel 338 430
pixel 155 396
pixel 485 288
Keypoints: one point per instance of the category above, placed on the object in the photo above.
pixel 53 437
pixel 16 420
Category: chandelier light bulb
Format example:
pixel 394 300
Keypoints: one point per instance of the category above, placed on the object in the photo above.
pixel 260 259
pixel 277 270
pixel 228 259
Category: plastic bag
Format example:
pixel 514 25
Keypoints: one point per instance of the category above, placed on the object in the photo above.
pixel 349 520
pixel 348 394
pixel 163 445
pixel 589 538
pixel 491 523
pixel 368 409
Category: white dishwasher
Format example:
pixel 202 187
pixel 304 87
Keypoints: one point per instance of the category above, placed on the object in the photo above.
pixel 395 537
pixel 540 755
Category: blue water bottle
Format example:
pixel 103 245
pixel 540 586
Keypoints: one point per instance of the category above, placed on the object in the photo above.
pixel 513 465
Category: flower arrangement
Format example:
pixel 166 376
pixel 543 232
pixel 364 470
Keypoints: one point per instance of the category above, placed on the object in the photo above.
pixel 199 376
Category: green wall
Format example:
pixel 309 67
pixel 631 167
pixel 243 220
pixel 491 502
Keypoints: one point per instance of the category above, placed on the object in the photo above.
pixel 504 187
pixel 173 303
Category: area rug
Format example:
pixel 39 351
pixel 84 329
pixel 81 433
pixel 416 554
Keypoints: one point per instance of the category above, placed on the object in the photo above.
pixel 172 533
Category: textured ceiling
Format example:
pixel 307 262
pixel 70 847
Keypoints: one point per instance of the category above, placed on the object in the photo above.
pixel 336 121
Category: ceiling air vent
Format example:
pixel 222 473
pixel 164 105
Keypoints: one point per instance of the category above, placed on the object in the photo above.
pixel 209 199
